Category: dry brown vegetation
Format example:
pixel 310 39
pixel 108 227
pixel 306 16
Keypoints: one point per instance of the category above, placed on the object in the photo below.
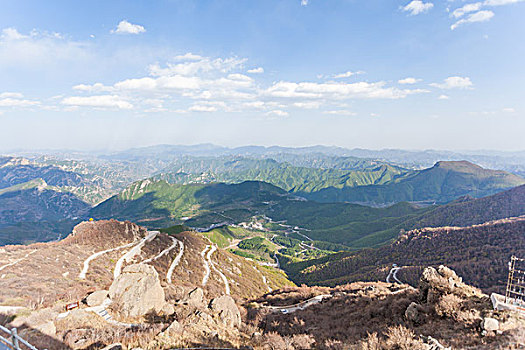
pixel 370 316
pixel 49 274
pixel 479 253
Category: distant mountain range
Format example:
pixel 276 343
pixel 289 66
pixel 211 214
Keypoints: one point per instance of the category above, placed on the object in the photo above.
pixel 59 191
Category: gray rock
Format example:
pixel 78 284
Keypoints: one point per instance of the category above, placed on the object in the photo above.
pixel 195 298
pixel 137 291
pixel 490 324
pixel 174 329
pixel 116 346
pixel 412 313
pixel 228 312
pixel 96 298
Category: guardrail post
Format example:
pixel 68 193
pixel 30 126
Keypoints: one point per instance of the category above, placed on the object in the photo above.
pixel 14 339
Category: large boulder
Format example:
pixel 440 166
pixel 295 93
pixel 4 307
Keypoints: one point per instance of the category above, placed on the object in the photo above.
pixel 195 298
pixel 227 311
pixel 137 291
pixel 413 313
pixel 96 298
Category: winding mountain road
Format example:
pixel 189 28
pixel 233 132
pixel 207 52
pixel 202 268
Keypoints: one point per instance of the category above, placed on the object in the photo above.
pixel 164 252
pixel 83 273
pixel 206 265
pixel 175 261
pixel 300 306
pixel 393 274
pixel 133 252
pixel 212 264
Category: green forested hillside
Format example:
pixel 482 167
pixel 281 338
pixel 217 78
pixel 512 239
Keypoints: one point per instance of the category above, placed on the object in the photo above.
pixel 303 179
pixel 159 204
pixel 444 182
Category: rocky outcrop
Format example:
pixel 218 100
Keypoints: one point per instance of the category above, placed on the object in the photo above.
pixel 435 283
pixel 227 311
pixel 96 298
pixel 194 298
pixel 137 291
pixel 79 319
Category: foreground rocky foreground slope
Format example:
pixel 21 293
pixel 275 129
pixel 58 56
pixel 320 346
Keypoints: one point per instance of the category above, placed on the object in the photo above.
pixel 155 290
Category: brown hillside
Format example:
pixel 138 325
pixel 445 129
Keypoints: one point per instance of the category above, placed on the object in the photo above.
pixel 479 253
pixel 43 274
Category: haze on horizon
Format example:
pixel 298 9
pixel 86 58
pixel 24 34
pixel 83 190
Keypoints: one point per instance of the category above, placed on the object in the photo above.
pixel 421 74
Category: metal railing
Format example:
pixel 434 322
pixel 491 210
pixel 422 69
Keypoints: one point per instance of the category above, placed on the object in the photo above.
pixel 515 291
pixel 13 340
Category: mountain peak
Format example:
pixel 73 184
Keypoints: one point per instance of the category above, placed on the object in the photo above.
pixel 459 165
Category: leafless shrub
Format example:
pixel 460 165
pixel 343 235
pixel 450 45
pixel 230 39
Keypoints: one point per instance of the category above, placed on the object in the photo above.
pixel 302 341
pixel 372 342
pixel 448 305
pixel 274 341
pixel 402 338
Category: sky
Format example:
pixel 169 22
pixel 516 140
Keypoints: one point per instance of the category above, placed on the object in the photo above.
pixel 111 75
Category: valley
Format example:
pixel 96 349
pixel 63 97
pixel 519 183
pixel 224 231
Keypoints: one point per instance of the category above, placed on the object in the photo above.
pixel 176 248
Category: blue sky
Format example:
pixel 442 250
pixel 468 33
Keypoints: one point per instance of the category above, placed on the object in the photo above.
pixel 108 75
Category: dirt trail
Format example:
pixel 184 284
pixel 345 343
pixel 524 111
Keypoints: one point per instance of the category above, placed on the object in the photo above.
pixel 83 273
pixel 206 265
pixel 175 262
pixel 164 252
pixel 224 279
pixel 133 252
pixel 17 261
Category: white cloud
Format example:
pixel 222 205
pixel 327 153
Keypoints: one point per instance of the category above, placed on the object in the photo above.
pixel 454 83
pixel 480 16
pixel 12 34
pixel 304 2
pixel 97 87
pixel 307 105
pixel 195 66
pixel 11 95
pixel 15 102
pixel 203 108
pixel 278 113
pixel 187 57
pixel 15 99
pixel 346 74
pixel 443 97
pixel 409 81
pixel 40 51
pixel 501 2
pixel 459 12
pixel 416 7
pixel 100 101
pixel 213 84
pixel 509 110
pixel 337 91
pixel 340 112
pixel 257 70
pixel 124 27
